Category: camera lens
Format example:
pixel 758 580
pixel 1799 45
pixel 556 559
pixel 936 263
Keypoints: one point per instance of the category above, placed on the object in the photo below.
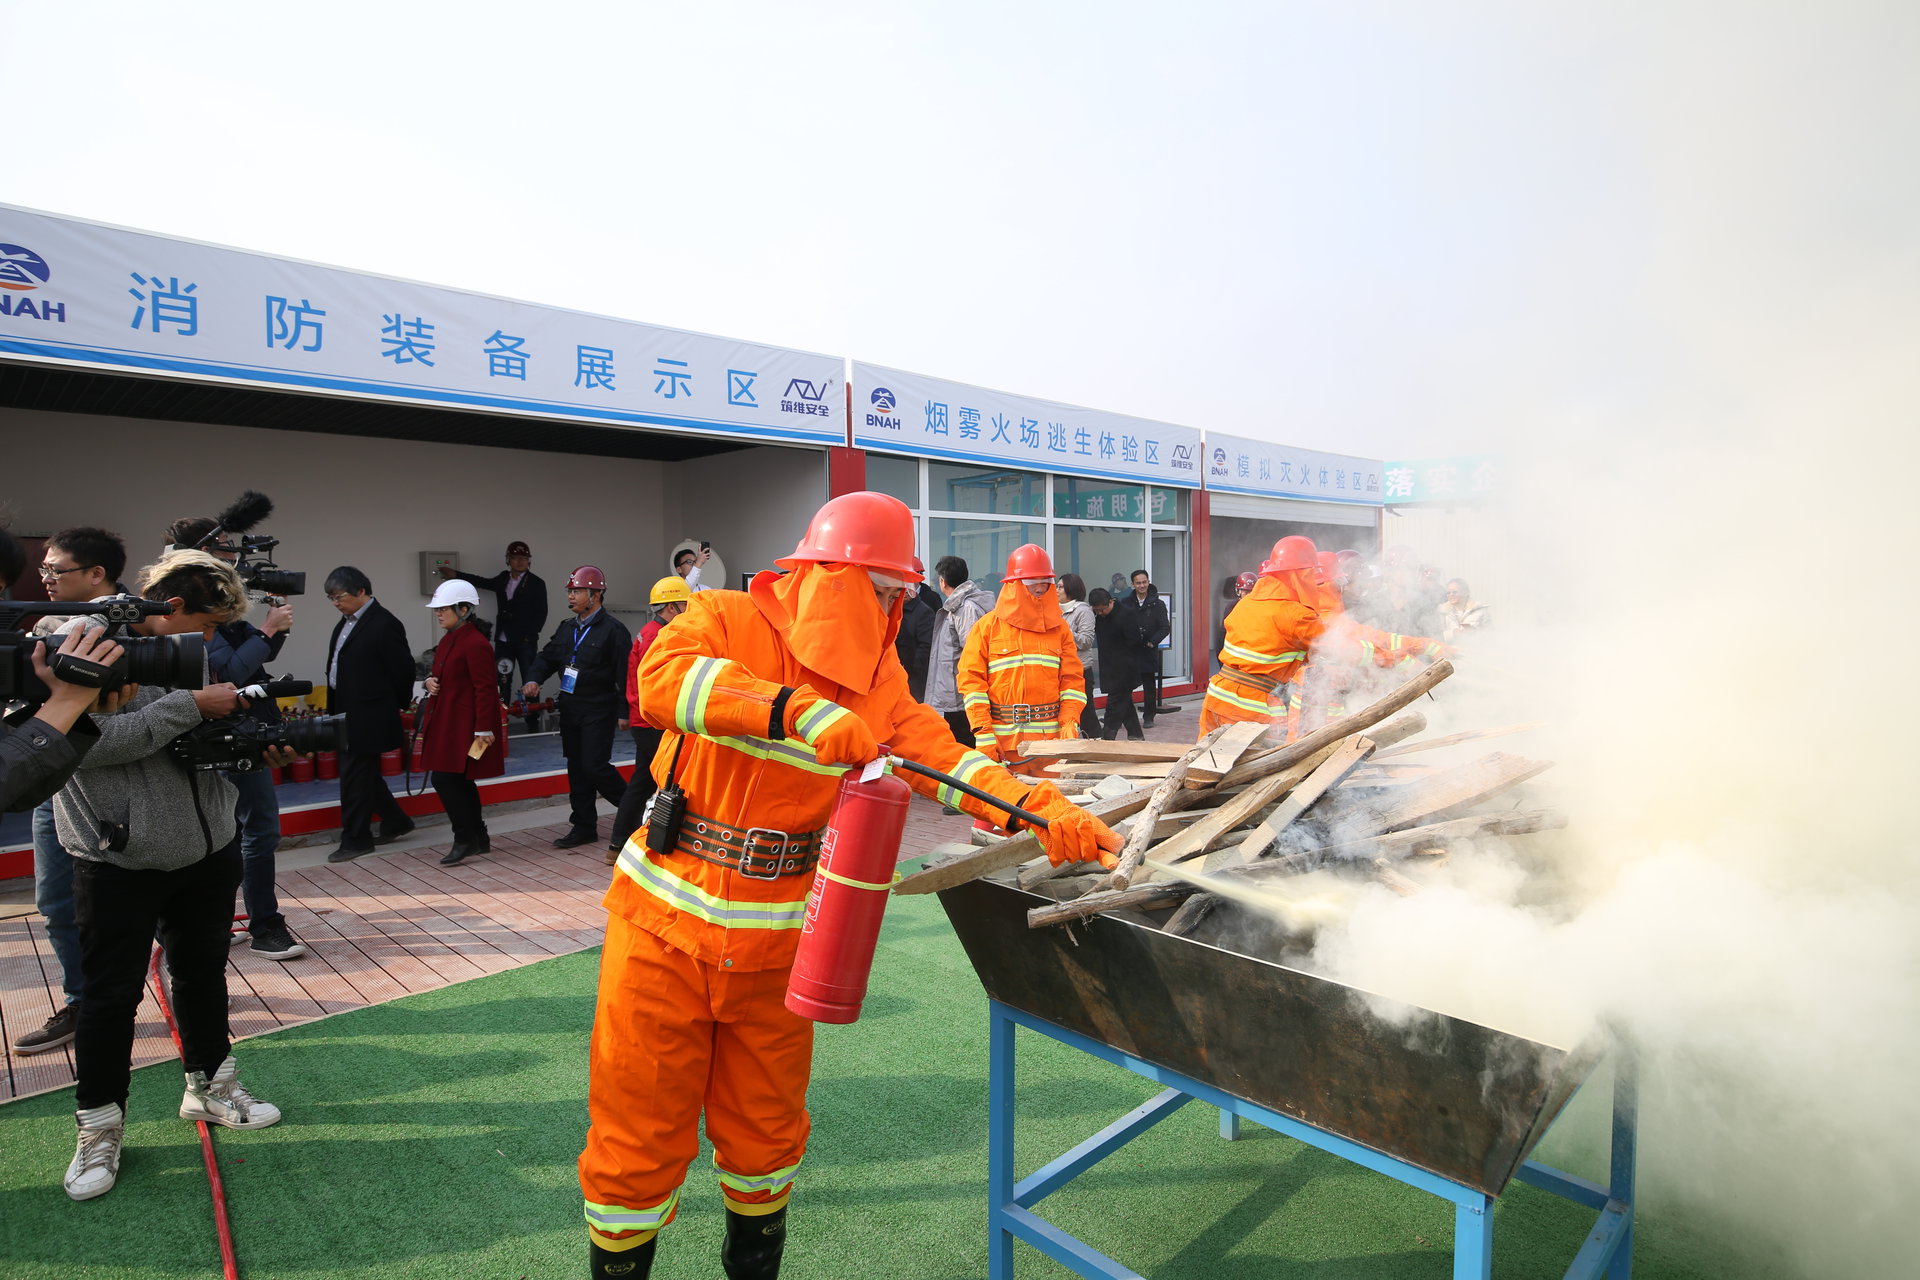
pixel 169 662
pixel 279 582
pixel 320 733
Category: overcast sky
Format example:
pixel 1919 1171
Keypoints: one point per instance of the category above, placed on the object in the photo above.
pixel 1383 228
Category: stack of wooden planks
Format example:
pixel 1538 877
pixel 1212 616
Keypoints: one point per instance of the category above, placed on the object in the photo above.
pixel 1239 810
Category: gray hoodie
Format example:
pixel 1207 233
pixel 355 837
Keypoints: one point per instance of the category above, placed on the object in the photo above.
pixel 172 817
pixel 967 605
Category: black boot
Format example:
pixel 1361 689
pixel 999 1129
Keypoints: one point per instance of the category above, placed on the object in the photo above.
pixel 627 1264
pixel 753 1245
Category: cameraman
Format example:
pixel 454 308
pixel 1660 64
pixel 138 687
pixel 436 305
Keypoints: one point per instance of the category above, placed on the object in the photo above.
pixel 39 752
pixel 238 653
pixel 79 565
pixel 154 848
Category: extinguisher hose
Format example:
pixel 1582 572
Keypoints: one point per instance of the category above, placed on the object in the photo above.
pixel 1033 820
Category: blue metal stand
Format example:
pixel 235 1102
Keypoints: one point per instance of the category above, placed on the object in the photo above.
pixel 1607 1252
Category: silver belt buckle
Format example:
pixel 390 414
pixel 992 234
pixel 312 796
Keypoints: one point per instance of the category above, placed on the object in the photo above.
pixel 747 855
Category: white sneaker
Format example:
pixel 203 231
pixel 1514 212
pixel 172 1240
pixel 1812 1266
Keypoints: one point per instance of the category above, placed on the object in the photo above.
pixel 224 1100
pixel 96 1161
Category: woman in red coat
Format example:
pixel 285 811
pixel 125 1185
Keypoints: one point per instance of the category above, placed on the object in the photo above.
pixel 461 740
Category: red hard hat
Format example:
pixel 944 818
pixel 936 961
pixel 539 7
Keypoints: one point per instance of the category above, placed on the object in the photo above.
pixel 868 529
pixel 588 577
pixel 1246 581
pixel 1329 565
pixel 1029 563
pixel 1291 552
pixel 518 549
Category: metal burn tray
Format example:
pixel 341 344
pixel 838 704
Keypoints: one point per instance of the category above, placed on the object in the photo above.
pixel 1455 1098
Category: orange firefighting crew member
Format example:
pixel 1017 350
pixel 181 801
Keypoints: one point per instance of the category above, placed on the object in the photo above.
pixel 1269 634
pixel 767 697
pixel 1020 676
pixel 1344 649
pixel 669 598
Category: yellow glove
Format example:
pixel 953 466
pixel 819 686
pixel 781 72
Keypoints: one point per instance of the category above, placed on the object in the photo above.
pixel 1072 834
pixel 836 735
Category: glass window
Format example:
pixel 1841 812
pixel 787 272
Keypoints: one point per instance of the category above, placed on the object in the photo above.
pixel 1078 498
pixel 896 477
pixel 988 490
pixel 1170 505
pixel 1099 555
pixel 983 544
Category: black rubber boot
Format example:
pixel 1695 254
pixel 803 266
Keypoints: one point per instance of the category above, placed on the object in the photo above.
pixel 753 1245
pixel 628 1264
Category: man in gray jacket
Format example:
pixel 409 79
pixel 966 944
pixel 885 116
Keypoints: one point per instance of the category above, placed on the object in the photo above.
pixel 155 849
pixel 966 603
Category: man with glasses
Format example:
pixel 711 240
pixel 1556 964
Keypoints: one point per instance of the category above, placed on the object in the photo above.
pixel 80 565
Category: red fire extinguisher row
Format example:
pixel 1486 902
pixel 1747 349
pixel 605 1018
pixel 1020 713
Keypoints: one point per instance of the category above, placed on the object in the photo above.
pixel 858 854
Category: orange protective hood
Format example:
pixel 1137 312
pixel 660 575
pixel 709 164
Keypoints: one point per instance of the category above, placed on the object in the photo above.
pixel 1298 585
pixel 830 618
pixel 1019 607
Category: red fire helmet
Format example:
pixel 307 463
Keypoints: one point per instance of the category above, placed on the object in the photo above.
pixel 1246 582
pixel 518 549
pixel 1291 552
pixel 1029 563
pixel 587 576
pixel 868 529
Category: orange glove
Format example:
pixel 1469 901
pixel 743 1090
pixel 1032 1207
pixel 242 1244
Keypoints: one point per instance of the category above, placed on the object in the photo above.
pixel 987 744
pixel 1072 834
pixel 836 735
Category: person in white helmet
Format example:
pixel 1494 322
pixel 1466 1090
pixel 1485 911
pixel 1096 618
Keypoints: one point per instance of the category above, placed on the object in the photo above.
pixel 461 737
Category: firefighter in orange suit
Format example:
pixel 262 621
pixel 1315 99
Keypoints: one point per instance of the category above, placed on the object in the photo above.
pixel 1345 649
pixel 1269 635
pixel 1020 677
pixel 766 697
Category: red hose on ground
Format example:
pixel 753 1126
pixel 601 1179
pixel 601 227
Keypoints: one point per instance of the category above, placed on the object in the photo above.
pixel 229 1262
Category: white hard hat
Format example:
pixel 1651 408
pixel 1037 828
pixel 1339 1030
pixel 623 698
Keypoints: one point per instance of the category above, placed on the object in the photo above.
pixel 454 592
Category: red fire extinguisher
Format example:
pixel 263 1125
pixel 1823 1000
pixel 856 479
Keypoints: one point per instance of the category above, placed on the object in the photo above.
pixel 849 895
pixel 850 888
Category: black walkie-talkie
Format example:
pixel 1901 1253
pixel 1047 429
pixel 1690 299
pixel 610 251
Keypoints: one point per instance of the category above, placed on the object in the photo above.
pixel 667 810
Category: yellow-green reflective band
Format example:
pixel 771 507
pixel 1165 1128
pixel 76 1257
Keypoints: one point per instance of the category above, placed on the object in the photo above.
pixel 663 884
pixel 1024 660
pixel 857 884
pixel 616 1217
pixel 970 764
pixel 778 1180
pixel 1254 655
pixel 787 753
pixel 1216 690
pixel 691 713
pixel 815 719
pixel 1026 726
pixel 975 699
pixel 1072 695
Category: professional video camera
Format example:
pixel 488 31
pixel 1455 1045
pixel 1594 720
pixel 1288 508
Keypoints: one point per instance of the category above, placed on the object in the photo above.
pixel 171 662
pixel 253 555
pixel 238 741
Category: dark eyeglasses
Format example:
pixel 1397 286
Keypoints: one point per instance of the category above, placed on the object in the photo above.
pixel 53 575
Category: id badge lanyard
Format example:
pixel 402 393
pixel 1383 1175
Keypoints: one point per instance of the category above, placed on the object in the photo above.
pixel 571 672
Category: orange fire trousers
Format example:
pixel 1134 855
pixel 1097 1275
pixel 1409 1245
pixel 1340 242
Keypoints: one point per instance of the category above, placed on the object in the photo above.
pixel 674 1037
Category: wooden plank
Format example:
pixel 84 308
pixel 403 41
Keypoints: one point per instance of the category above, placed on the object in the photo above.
pixel 1455 739
pixel 29 995
pixel 1219 760
pixel 1344 759
pixel 1107 749
pixel 1202 835
pixel 1138 839
pixel 1471 783
pixel 1503 823
pixel 1107 768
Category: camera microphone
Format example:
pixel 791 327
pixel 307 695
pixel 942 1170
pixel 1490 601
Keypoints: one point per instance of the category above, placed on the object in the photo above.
pixel 278 689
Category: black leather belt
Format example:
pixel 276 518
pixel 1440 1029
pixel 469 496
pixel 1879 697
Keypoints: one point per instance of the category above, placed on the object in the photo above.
pixel 760 853
pixel 1022 712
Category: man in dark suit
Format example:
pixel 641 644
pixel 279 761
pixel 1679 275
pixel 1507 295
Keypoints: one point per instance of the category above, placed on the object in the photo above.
pixel 370 681
pixel 522 613
pixel 589 653
pixel 1144 614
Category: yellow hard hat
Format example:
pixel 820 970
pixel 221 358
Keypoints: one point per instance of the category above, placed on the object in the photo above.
pixel 671 589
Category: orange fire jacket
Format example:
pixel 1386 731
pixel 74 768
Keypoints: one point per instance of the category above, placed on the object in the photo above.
pixel 1004 667
pixel 710 679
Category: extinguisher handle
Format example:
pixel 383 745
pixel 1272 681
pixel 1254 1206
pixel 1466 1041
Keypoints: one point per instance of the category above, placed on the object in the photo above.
pixel 1033 820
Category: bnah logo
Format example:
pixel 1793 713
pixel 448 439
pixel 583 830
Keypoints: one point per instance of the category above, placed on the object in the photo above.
pixel 883 401
pixel 1219 463
pixel 1182 458
pixel 22 268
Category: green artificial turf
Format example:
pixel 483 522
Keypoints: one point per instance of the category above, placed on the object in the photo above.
pixel 435 1137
